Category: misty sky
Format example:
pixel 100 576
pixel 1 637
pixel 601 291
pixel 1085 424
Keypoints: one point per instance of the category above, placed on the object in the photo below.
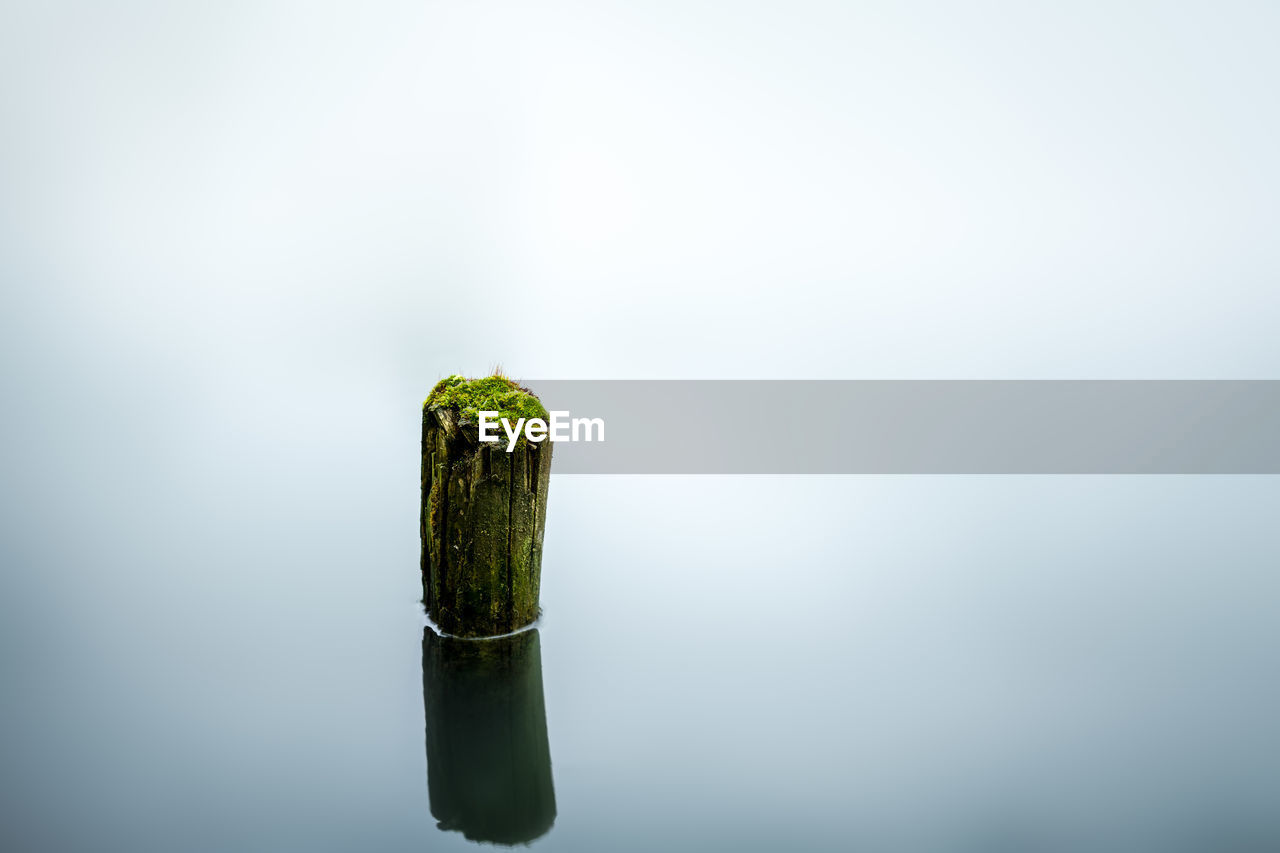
pixel 251 203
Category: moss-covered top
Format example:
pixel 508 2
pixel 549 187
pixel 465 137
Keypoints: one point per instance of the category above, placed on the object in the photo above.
pixel 469 397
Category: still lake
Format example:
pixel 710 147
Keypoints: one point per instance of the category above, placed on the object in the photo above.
pixel 235 661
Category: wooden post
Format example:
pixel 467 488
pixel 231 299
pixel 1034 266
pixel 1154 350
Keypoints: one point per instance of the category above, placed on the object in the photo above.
pixel 483 510
pixel 488 758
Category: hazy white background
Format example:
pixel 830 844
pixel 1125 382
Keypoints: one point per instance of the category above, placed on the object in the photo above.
pixel 337 195
pixel 240 241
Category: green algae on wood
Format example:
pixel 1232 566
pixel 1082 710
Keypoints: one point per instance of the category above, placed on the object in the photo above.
pixel 469 397
pixel 483 510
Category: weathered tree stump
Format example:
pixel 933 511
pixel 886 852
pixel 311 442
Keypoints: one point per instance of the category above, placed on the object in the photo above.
pixel 488 758
pixel 483 510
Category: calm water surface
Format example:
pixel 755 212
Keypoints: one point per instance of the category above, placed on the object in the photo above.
pixel 237 661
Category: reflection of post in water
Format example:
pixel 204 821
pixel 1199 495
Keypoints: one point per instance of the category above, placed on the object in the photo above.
pixel 488 759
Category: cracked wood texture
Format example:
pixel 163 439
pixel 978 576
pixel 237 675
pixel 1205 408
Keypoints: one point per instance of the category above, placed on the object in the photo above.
pixel 483 513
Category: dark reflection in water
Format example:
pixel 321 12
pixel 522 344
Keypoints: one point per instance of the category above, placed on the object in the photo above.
pixel 488 759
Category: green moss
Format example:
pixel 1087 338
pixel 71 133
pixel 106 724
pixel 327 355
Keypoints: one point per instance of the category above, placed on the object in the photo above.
pixel 469 397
